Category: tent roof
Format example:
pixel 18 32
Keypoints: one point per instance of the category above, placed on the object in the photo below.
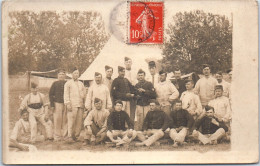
pixel 47 74
pixel 113 55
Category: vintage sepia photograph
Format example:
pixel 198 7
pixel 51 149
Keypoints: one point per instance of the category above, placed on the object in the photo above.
pixel 127 77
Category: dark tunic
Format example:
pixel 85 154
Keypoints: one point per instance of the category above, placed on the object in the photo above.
pixel 180 85
pixel 156 120
pixel 144 97
pixel 117 119
pixel 207 127
pixel 181 118
pixel 120 87
pixel 56 92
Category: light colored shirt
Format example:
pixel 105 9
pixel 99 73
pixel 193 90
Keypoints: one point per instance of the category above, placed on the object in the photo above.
pixel 166 91
pixel 21 131
pixel 33 99
pixel 191 102
pixel 108 83
pixel 222 108
pixel 74 93
pixel 205 89
pixel 98 91
pixel 131 76
pixel 154 79
pixel 226 88
pixel 99 117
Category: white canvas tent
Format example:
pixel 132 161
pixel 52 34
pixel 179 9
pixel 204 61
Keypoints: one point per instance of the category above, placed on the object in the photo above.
pixel 113 55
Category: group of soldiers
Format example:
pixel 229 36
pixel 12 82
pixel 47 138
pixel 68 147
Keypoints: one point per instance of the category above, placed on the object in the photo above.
pixel 135 105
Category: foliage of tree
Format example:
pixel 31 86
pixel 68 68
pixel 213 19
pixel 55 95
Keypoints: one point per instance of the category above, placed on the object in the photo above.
pixel 49 40
pixel 195 38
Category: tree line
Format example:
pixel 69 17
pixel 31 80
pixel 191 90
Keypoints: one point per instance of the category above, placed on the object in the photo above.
pixel 50 40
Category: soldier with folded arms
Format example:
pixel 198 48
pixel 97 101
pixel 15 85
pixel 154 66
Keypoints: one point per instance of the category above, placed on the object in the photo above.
pixel 212 130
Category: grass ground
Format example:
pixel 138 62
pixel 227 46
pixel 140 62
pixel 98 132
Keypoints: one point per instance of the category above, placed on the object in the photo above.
pixel 14 103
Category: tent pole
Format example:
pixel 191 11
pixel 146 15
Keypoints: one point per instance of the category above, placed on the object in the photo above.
pixel 28 79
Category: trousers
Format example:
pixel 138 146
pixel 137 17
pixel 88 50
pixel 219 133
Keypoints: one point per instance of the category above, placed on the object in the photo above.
pixel 114 134
pixel 141 112
pixel 207 138
pixel 60 121
pixel 178 136
pixel 150 137
pixel 75 120
pixel 38 115
pixel 92 134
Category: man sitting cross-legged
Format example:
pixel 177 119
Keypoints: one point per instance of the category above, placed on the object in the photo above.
pixel 117 132
pixel 21 134
pixel 212 129
pixel 182 123
pixel 155 123
pixel 96 124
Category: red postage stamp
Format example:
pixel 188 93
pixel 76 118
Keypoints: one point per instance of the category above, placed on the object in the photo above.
pixel 146 22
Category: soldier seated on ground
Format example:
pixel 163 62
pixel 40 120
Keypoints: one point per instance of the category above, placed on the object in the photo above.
pixel 182 122
pixel 117 131
pixel 96 124
pixel 155 123
pixel 211 129
pixel 21 134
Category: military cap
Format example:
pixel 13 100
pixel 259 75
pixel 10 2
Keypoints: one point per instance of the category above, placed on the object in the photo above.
pixel 228 71
pixel 23 111
pixel 118 102
pixel 127 59
pixel 61 71
pixel 96 100
pixel 74 69
pixel 162 72
pixel 140 71
pixel 108 67
pixel 120 68
pixel 151 64
pixel 218 87
pixel 34 85
pixel 207 108
pixel 154 101
pixel 205 65
pixel 219 73
pixel 188 80
pixel 97 74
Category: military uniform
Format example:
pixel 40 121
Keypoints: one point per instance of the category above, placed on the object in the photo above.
pixel 35 106
pixel 205 89
pixel 191 103
pixel 120 87
pixel 209 131
pixel 166 91
pixel 100 91
pixel 180 118
pixel 74 94
pixel 116 126
pixel 56 94
pixel 155 123
pixel 143 98
pixel 97 120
